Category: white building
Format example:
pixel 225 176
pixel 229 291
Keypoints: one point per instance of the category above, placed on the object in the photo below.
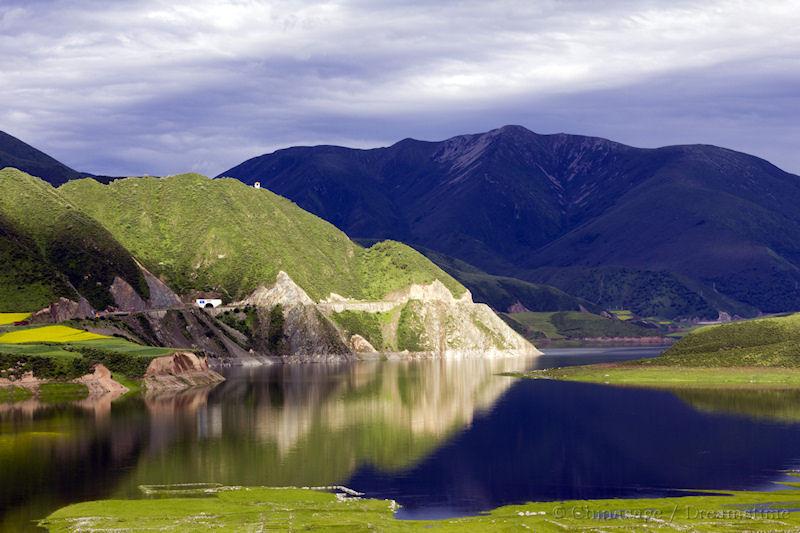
pixel 208 303
pixel 257 185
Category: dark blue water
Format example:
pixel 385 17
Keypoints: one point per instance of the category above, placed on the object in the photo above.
pixel 549 440
pixel 443 438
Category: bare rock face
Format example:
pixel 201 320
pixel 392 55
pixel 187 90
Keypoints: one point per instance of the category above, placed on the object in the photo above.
pixel 361 345
pixel 432 292
pixel 161 296
pixel 284 292
pixel 445 326
pixel 468 330
pixel 181 370
pixel 517 307
pixel 100 382
pixel 305 333
pixel 125 297
pixel 64 309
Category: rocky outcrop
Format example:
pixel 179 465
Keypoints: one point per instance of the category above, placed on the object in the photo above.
pixel 64 309
pixel 100 382
pixel 181 370
pixel 161 296
pixel 284 292
pixel 361 345
pixel 421 319
pixel 290 324
pixel 125 297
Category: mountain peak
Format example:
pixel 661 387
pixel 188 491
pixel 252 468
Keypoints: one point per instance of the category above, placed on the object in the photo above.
pixel 20 155
pixel 513 128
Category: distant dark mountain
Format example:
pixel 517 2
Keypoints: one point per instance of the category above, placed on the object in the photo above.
pixel 17 154
pixel 674 231
pixel 22 156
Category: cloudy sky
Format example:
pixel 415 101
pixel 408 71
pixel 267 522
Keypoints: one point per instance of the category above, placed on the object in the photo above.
pixel 157 87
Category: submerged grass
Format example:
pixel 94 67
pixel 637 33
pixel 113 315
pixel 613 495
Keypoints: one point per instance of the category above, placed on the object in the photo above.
pixel 260 508
pixel 14 394
pixel 62 392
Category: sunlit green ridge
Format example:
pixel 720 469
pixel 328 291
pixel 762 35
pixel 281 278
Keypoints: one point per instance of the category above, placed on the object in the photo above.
pixel 204 234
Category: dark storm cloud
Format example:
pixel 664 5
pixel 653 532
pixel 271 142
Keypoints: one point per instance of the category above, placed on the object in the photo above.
pixel 162 87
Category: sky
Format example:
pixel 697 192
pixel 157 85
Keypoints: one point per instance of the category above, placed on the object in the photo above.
pixel 162 87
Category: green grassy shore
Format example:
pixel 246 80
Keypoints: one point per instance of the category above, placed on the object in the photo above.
pixel 278 509
pixel 763 353
pixel 58 354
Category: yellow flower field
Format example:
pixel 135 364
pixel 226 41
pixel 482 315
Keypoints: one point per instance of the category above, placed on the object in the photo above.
pixel 10 318
pixel 49 334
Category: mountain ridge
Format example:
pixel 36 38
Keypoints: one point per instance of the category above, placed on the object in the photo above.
pixel 516 203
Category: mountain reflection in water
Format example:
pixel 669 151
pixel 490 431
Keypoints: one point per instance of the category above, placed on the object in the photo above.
pixel 441 437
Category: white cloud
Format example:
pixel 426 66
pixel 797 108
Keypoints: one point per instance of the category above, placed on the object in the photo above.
pixel 160 87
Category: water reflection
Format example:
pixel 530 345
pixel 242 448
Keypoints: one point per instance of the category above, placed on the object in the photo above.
pixel 441 437
pixel 316 424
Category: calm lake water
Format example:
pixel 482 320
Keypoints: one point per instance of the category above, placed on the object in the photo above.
pixel 443 438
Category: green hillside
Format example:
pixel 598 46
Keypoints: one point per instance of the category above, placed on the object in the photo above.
pixel 50 249
pixel 758 355
pixel 574 325
pixel 764 342
pixel 221 235
pixel 502 292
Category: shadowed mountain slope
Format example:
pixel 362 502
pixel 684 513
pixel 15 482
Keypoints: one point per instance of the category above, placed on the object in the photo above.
pixel 17 154
pixel 692 229
pixel 50 249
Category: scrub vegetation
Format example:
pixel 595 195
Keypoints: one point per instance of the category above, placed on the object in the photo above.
pixel 63 353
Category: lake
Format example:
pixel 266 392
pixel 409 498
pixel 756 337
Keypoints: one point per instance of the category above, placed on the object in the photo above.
pixel 443 438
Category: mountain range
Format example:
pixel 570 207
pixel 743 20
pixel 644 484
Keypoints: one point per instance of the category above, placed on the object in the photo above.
pixel 297 286
pixel 675 231
pixel 548 222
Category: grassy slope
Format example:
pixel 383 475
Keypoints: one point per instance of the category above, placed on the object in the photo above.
pixel 255 509
pixel 574 325
pixel 772 342
pixel 27 280
pixel 744 241
pixel 756 354
pixel 648 293
pixel 53 247
pixel 62 353
pixel 501 292
pixel 203 234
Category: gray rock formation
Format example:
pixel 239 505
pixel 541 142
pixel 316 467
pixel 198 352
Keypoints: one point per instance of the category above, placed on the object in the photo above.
pixel 63 309
pixel 284 292
pixel 125 297
pixel 424 320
